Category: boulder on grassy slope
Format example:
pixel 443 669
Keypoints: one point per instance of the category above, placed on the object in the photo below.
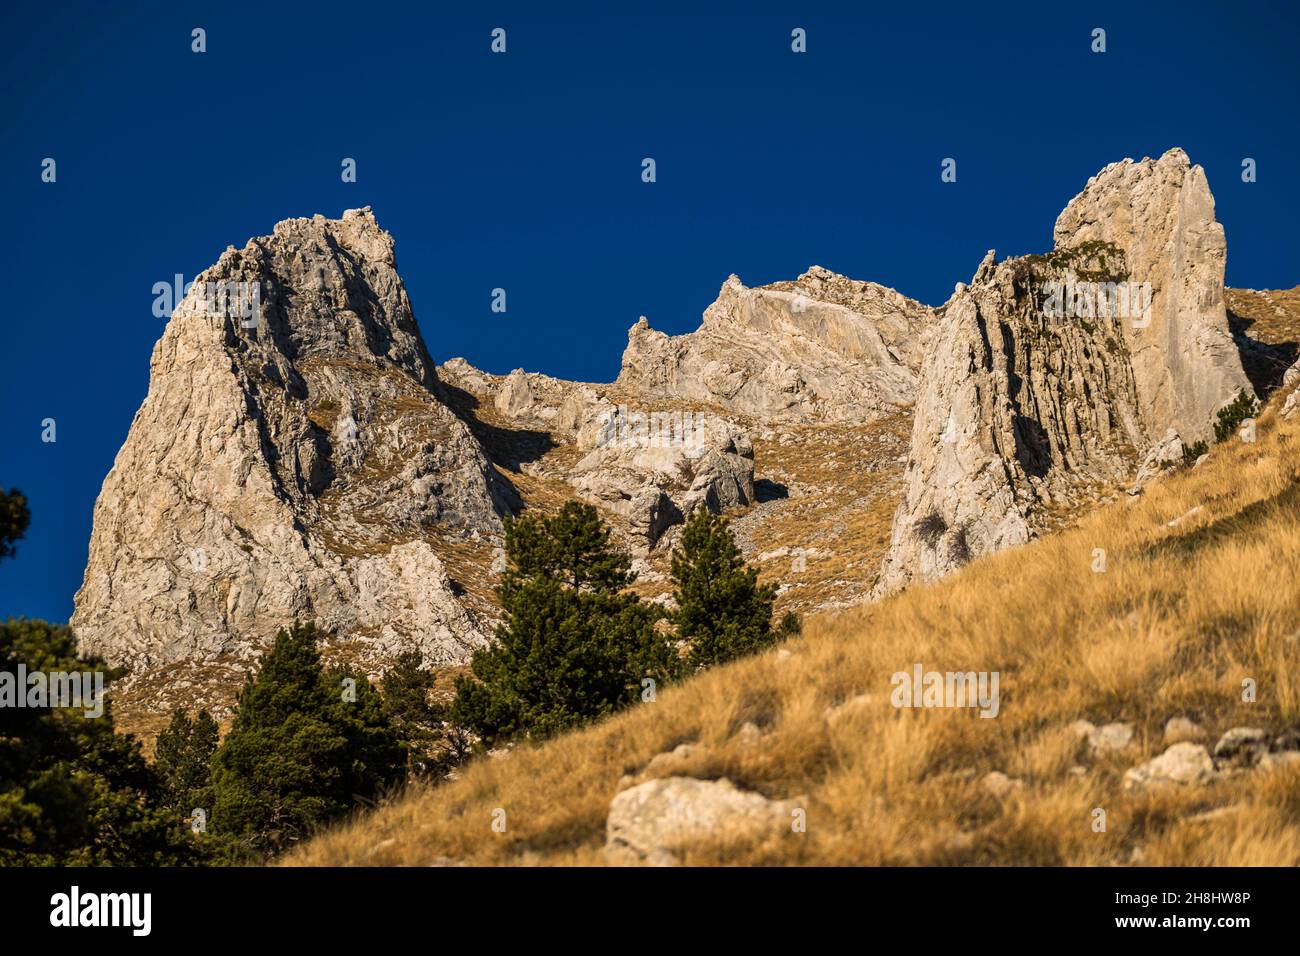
pixel 653 823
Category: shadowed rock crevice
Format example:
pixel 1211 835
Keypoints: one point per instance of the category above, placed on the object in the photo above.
pixel 765 489
pixel 1265 362
pixel 1033 446
pixel 508 447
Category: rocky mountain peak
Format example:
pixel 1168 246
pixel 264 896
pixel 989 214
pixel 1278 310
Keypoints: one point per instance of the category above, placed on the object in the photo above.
pixel 290 461
pixel 328 288
pixel 297 458
pixel 1052 376
pixel 1160 214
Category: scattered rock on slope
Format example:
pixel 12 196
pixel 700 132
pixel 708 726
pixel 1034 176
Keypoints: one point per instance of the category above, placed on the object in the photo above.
pixel 1106 739
pixel 650 464
pixel 656 474
pixel 1183 763
pixel 1241 745
pixel 1182 729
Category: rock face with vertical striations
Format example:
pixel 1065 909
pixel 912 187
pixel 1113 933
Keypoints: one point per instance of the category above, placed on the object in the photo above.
pixel 1050 376
pixel 292 461
pixel 1161 214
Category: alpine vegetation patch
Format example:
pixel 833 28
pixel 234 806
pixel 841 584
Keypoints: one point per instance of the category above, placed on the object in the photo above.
pixel 242 300
pixel 922 688
pixel 1098 300
pixel 662 429
pixel 75 908
pixel 42 690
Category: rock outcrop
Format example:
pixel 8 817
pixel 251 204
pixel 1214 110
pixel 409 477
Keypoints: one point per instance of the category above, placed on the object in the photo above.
pixel 1291 380
pixel 1161 214
pixel 293 460
pixel 822 348
pixel 1049 376
pixel 651 463
pixel 674 432
pixel 655 823
pixel 655 468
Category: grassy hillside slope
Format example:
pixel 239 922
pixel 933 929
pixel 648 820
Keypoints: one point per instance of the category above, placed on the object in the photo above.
pixel 1201 590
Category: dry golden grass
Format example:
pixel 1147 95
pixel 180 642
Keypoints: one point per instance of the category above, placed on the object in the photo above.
pixel 1181 615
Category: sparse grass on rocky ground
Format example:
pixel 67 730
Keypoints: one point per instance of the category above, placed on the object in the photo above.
pixel 825 542
pixel 1199 593
pixel 827 495
pixel 1267 324
pixel 1273 314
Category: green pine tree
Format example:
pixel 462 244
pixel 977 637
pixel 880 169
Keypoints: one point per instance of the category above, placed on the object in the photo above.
pixel 304 748
pixel 375 760
pixel 1233 414
pixel 432 746
pixel 572 646
pixel 73 792
pixel 722 611
pixel 572 547
pixel 183 758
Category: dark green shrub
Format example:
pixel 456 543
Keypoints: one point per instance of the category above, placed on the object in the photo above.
pixel 306 746
pixel 1233 414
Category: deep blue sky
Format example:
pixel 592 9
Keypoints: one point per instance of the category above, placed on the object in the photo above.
pixel 523 171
